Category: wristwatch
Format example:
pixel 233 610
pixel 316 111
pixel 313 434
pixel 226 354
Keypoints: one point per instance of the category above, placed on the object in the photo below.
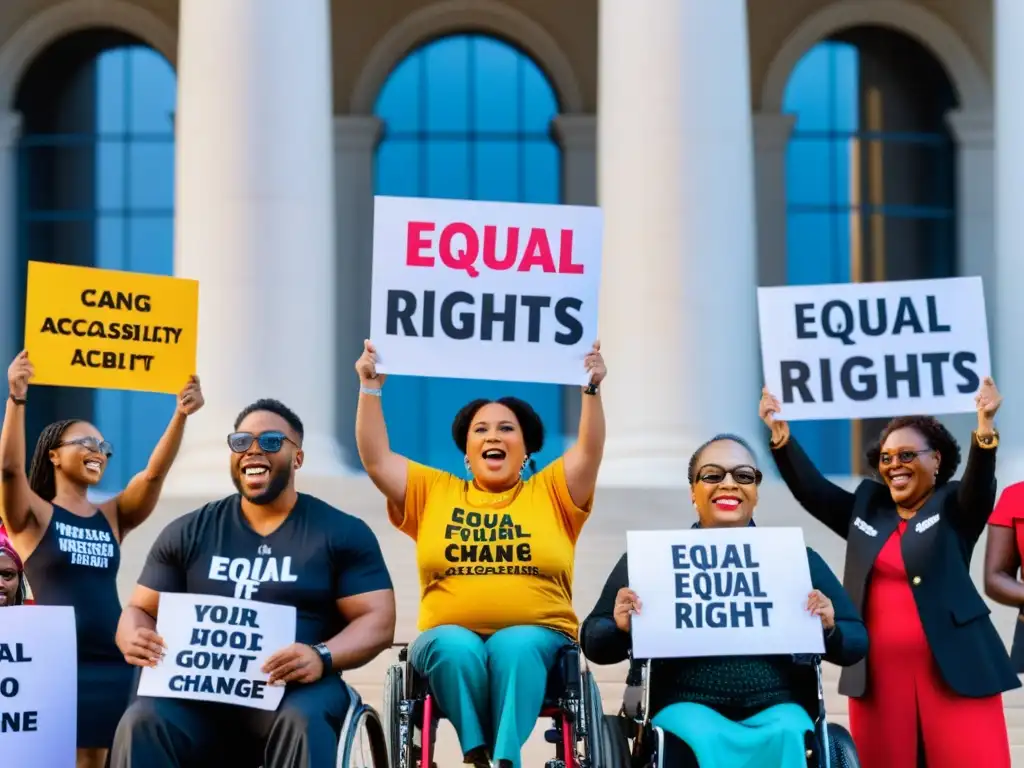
pixel 325 657
pixel 590 389
pixel 17 400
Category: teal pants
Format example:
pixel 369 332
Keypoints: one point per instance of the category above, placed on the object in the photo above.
pixel 773 737
pixel 491 689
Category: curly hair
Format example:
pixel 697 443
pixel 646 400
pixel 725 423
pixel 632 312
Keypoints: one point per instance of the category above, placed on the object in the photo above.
pixel 529 422
pixel 691 471
pixel 41 477
pixel 935 435
pixel 276 407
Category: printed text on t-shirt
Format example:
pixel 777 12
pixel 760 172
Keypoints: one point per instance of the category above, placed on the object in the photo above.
pixel 247 574
pixel 86 546
pixel 483 542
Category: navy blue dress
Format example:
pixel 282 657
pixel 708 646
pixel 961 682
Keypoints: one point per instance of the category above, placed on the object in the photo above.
pixel 76 564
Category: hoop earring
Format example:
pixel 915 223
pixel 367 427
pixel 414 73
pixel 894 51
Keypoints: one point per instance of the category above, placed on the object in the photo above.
pixel 466 462
pixel 526 460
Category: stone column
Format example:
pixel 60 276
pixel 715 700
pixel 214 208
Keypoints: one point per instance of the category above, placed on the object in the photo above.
pixel 255 214
pixel 771 139
pixel 678 302
pixel 1007 359
pixel 355 143
pixel 10 273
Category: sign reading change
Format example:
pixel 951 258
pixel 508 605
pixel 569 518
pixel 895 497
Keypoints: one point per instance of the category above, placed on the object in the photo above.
pixel 874 350
pixel 721 592
pixel 480 290
pixel 106 329
pixel 216 648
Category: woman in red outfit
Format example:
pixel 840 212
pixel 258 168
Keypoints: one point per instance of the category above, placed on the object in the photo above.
pixel 1003 550
pixel 929 692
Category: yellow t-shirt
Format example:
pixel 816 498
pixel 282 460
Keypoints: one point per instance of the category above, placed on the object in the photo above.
pixel 493 560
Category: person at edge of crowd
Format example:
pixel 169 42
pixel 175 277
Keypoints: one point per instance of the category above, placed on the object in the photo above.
pixel 326 563
pixel 12 574
pixel 728 711
pixel 936 667
pixel 71 547
pixel 1003 547
pixel 495 554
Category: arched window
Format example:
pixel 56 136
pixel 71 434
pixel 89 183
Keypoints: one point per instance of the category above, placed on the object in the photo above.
pixel 96 188
pixel 869 184
pixel 467 117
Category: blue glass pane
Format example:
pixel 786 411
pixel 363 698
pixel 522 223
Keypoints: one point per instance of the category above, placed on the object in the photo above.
pixel 151 245
pixel 398 168
pixel 447 169
pixel 810 171
pixel 496 171
pixel 540 104
pixel 154 90
pixel 110 175
pixel 496 87
pixel 151 174
pixel 818 248
pixel 399 102
pixel 111 104
pixel 111 240
pixel 543 172
pixel 447 75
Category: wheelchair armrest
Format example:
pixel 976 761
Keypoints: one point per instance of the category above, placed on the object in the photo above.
pixel 807 659
pixel 569 666
pixel 403 651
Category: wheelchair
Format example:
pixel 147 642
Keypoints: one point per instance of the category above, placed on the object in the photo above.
pixel 363 742
pixel 572 702
pixel 828 746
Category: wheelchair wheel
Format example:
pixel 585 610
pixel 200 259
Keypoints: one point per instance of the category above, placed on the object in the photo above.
pixel 593 714
pixel 394 693
pixel 365 744
pixel 614 743
pixel 841 750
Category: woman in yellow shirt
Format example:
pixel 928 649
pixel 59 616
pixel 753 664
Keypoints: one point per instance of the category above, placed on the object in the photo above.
pixel 495 555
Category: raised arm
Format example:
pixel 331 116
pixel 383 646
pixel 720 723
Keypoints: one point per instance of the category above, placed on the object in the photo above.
pixel 601 639
pixel 976 495
pixel 22 510
pixel 388 470
pixel 846 642
pixel 139 498
pixel 583 460
pixel 827 502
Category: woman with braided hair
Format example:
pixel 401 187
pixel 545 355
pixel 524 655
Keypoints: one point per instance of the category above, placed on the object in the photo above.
pixel 71 547
pixel 12 574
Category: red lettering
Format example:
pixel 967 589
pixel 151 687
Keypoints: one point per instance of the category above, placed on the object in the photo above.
pixel 415 243
pixel 491 245
pixel 463 258
pixel 565 265
pixel 538 252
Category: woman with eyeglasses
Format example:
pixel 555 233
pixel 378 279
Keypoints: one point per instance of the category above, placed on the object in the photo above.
pixel 71 546
pixel 728 710
pixel 936 667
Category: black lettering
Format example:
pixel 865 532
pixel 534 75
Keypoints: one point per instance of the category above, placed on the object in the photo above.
pixel 534 305
pixel 755 578
pixel 19 722
pixel 401 306
pixel 715 616
pixel 764 607
pixel 683 586
pixel 826 380
pixel 748 557
pixel 429 301
pixel 934 326
pixel 795 374
pixel 488 317
pixel 865 318
pixel 906 315
pixel 970 382
pixel 741 615
pixel 804 319
pixel 731 558
pixel 679 556
pixel 467 326
pixel 868 384
pixel 935 360
pixel 14 654
pixel 843 331
pixel 893 377
pixel 742 587
pixel 9 687
pixel 683 618
pixel 573 327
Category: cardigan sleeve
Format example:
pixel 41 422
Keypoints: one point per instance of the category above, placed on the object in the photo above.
pixel 601 640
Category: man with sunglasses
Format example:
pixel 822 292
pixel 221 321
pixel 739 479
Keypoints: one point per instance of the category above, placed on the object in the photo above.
pixel 272 544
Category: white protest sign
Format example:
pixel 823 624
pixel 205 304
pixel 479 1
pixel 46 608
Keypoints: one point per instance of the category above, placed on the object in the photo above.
pixel 870 350
pixel 479 290
pixel 38 686
pixel 721 592
pixel 216 647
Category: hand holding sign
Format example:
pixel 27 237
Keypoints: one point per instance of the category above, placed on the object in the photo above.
pixel 18 375
pixel 143 648
pixel 594 363
pixel 298 663
pixel 988 401
pixel 627 602
pixel 191 399
pixel 819 605
pixel 767 410
pixel 366 366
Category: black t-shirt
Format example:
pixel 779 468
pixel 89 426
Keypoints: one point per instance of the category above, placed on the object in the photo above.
pixel 316 557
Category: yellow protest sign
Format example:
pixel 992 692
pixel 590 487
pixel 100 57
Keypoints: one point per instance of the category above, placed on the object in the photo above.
pixel 107 329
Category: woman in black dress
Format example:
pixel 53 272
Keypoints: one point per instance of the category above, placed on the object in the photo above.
pixel 72 548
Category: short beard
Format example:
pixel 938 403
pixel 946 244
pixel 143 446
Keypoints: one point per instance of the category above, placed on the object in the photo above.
pixel 279 480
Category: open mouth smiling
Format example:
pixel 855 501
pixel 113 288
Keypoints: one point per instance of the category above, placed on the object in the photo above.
pixel 494 457
pixel 727 502
pixel 900 478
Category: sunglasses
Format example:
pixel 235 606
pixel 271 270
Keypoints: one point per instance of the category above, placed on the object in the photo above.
pixel 91 444
pixel 905 457
pixel 712 474
pixel 269 442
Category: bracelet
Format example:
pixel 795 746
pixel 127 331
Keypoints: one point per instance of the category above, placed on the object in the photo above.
pixel 372 391
pixel 325 656
pixel 590 389
pixel 987 441
pixel 17 400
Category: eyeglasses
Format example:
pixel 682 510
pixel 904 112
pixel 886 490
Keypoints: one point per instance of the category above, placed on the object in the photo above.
pixel 905 457
pixel 712 474
pixel 269 442
pixel 91 444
